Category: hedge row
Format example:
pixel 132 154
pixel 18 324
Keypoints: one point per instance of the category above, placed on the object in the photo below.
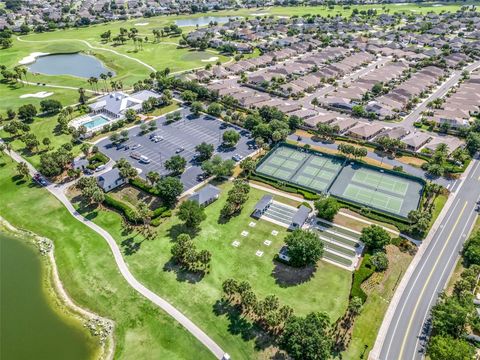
pixel 96 160
pixel 362 274
pixel 158 214
pixel 123 208
pixel 308 195
pixel 142 185
pixel 375 215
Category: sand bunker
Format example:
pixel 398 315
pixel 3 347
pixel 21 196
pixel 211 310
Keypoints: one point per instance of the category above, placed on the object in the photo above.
pixel 31 58
pixel 141 24
pixel 210 59
pixel 259 14
pixel 39 95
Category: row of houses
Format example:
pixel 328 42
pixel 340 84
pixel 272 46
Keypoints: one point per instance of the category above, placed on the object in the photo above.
pixel 460 105
pixel 401 96
pixel 346 97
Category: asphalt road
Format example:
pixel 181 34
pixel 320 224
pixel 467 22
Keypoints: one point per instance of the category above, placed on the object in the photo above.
pixel 406 335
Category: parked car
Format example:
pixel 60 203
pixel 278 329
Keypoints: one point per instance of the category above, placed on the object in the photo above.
pixel 39 179
pixel 144 159
pixel 136 146
pixel 88 171
pixel 135 155
pixel 100 168
pixel 179 150
pixel 237 157
pixel 201 177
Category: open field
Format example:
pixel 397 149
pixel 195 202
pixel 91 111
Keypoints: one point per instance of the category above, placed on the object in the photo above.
pixel 90 276
pixel 326 290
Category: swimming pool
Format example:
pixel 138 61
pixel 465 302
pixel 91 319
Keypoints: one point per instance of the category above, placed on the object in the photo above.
pixel 96 121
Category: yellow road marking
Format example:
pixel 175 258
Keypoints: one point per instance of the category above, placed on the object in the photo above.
pixel 428 280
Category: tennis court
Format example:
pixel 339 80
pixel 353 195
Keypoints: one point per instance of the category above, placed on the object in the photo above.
pixel 354 182
pixel 377 189
pixel 381 181
pixel 375 199
pixel 310 170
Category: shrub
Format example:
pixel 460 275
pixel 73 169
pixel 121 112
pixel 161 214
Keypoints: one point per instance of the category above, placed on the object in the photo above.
pixel 471 252
pixel 362 274
pixel 123 208
pixel 142 185
pixel 327 208
pixel 308 195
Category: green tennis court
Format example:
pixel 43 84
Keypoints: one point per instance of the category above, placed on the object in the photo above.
pixel 375 199
pixel 381 181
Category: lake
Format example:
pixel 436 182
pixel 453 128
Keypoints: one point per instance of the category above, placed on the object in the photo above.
pixel 203 20
pixel 29 327
pixel 77 64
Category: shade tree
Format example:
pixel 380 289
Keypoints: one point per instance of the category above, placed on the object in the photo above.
pixel 304 248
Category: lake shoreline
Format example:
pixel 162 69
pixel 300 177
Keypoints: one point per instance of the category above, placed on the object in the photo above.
pixel 57 296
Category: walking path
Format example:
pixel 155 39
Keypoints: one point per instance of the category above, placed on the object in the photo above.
pixel 55 86
pixel 59 192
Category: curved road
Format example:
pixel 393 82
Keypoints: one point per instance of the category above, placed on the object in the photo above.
pixel 405 328
pixel 59 192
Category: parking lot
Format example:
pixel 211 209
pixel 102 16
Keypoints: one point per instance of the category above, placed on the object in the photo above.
pixel 184 134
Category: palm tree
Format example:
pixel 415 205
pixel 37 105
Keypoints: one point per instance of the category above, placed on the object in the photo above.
pixel 153 177
pixel 144 213
pixel 82 99
pixel 22 169
pixel 104 78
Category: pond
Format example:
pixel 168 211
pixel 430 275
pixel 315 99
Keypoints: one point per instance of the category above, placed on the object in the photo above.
pixel 29 327
pixel 76 64
pixel 202 21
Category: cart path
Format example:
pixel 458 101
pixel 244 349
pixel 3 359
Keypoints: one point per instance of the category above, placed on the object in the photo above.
pixel 151 68
pixel 59 192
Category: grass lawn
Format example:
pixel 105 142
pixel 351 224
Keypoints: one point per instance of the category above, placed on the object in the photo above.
pixel 91 277
pixel 358 225
pixel 11 96
pixel 327 290
pixel 380 289
pixel 163 110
